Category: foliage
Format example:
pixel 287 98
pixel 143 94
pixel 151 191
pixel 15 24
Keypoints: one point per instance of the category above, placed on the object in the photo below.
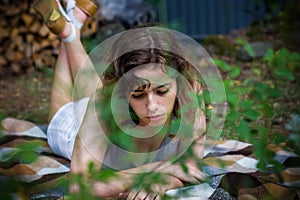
pixel 254 103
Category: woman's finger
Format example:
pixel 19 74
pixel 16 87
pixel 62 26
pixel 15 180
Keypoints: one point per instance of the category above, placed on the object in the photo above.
pixel 132 194
pixel 141 195
pixel 194 175
pixel 151 196
pixel 195 172
pixel 183 176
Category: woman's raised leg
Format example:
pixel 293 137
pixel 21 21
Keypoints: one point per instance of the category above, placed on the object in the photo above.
pixel 62 86
pixel 75 76
pixel 85 77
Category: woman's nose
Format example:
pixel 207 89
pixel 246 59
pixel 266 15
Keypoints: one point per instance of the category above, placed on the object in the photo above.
pixel 151 102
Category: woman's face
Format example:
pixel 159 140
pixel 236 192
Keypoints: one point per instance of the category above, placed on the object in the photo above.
pixel 153 101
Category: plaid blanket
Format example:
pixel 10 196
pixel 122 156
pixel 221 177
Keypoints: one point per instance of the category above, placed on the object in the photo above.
pixel 230 166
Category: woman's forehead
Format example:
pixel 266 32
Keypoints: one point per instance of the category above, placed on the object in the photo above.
pixel 152 74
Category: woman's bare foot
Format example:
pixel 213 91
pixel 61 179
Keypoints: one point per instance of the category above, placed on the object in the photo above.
pixel 78 12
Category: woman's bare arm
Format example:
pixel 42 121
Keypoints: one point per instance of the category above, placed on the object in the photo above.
pixel 124 180
pixel 90 144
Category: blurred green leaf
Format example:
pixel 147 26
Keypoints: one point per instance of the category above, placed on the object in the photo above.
pixel 269 55
pixel 105 175
pixel 267 109
pixel 184 167
pixel 243 130
pixel 246 103
pixel 222 65
pixel 232 99
pixel 233 116
pixel 262 130
pixel 286 73
pixel 251 114
pixel 239 90
pixel 235 72
pixel 91 168
pixel 206 97
pixel 257 95
pixel 279 138
pixel 247 47
pixel 274 92
pixel 26 156
pixel 257 71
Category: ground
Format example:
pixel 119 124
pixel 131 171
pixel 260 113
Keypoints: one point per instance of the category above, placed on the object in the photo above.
pixel 25 96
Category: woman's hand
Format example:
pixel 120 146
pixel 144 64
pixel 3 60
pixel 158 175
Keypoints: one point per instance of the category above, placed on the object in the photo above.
pixel 114 186
pixel 157 189
pixel 137 194
pixel 193 175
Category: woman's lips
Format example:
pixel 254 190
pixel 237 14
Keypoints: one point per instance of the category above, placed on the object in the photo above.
pixel 155 117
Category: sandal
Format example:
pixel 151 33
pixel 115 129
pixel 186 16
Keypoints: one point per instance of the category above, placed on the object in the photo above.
pixel 89 7
pixel 55 17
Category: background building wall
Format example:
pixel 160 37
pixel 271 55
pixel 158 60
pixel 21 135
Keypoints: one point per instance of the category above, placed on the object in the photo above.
pixel 199 18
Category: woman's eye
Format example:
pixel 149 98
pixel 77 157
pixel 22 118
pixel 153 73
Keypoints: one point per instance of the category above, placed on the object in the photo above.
pixel 162 92
pixel 138 96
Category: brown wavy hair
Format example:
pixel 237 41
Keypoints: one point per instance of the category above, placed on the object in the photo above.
pixel 146 47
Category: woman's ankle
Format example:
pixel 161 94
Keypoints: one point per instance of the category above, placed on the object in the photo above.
pixel 80 15
pixel 70 33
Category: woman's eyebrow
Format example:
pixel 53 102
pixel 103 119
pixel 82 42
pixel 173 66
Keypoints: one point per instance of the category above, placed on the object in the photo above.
pixel 163 85
pixel 139 89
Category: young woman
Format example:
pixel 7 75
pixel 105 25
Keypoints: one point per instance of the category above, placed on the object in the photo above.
pixel 140 115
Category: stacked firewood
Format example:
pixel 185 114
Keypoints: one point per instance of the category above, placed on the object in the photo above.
pixel 25 41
